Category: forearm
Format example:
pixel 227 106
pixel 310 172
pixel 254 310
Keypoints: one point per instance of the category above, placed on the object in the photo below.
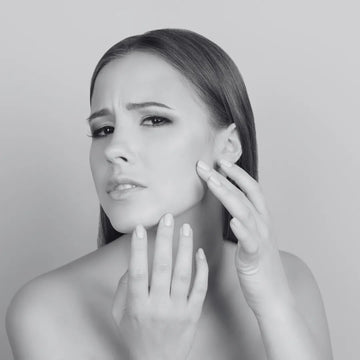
pixel 286 336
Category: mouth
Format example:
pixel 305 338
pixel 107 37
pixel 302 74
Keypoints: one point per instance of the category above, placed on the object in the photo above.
pixel 123 191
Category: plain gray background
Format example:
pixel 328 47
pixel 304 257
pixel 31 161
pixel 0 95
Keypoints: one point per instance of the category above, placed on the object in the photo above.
pixel 300 61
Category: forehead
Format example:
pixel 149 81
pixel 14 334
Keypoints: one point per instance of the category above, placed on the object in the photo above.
pixel 142 76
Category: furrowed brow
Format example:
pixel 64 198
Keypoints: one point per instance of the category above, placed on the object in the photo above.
pixel 134 106
pixel 129 106
pixel 99 113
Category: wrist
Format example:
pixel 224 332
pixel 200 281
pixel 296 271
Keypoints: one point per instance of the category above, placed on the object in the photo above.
pixel 278 310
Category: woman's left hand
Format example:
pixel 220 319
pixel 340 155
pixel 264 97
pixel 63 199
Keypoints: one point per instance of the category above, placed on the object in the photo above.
pixel 257 258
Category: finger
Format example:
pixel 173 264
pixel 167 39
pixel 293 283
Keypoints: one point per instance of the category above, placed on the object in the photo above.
pixel 246 183
pixel 199 289
pixel 162 264
pixel 231 197
pixel 119 302
pixel 248 242
pixel 206 172
pixel 138 264
pixel 181 279
pixel 245 263
pixel 247 252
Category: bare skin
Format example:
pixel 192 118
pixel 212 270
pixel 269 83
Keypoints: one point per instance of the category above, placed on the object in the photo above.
pixel 226 329
pixel 72 306
pixel 70 309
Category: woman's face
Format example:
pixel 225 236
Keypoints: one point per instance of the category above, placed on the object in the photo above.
pixel 155 145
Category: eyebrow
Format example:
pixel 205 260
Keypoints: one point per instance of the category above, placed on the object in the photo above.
pixel 129 106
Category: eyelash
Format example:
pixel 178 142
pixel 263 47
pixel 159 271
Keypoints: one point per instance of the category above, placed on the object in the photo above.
pixel 165 121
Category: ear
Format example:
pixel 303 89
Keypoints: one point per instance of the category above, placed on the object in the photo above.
pixel 228 144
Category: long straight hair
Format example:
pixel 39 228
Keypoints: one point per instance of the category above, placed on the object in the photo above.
pixel 217 81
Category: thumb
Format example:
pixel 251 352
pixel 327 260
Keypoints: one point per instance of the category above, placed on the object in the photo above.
pixel 246 263
pixel 247 252
pixel 119 302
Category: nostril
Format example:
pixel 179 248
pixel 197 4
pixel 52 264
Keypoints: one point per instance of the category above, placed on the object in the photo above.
pixel 115 154
pixel 117 159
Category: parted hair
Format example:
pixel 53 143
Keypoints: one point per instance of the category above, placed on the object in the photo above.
pixel 217 81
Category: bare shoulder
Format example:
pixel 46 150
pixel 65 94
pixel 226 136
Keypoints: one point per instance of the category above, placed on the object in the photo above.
pixel 308 298
pixel 302 282
pixel 301 279
pixel 31 316
pixel 50 310
pixel 296 269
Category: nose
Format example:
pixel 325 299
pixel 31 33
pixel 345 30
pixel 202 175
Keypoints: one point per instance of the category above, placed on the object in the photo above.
pixel 119 149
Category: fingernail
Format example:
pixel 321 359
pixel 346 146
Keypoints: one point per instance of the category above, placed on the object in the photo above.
pixel 168 219
pixel 225 163
pixel 214 181
pixel 201 254
pixel 235 222
pixel 186 229
pixel 203 166
pixel 140 231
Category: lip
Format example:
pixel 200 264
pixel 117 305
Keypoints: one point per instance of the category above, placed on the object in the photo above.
pixel 123 194
pixel 116 181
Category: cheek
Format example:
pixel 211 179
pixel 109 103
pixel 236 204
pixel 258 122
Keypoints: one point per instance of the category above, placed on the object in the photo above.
pixel 175 175
pixel 97 167
pixel 92 161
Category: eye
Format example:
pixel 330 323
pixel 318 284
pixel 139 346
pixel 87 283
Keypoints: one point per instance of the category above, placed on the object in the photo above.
pixel 95 133
pixel 157 120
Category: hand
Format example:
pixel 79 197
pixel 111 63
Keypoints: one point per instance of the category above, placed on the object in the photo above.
pixel 257 259
pixel 160 322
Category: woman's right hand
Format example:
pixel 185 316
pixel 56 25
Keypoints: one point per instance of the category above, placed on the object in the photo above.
pixel 159 322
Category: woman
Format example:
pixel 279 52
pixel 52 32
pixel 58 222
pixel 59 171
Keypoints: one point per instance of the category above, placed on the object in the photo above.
pixel 174 162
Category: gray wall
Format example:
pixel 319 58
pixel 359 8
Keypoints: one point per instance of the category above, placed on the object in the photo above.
pixel 300 61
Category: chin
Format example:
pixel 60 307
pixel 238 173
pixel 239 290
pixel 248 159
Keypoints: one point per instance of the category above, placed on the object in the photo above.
pixel 126 221
pixel 125 216
pixel 124 224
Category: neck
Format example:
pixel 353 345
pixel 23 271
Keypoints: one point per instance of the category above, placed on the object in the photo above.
pixel 205 219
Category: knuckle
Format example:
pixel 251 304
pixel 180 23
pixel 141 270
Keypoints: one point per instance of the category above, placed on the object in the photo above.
pixel 137 274
pixel 182 277
pixel 162 267
pixel 246 214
